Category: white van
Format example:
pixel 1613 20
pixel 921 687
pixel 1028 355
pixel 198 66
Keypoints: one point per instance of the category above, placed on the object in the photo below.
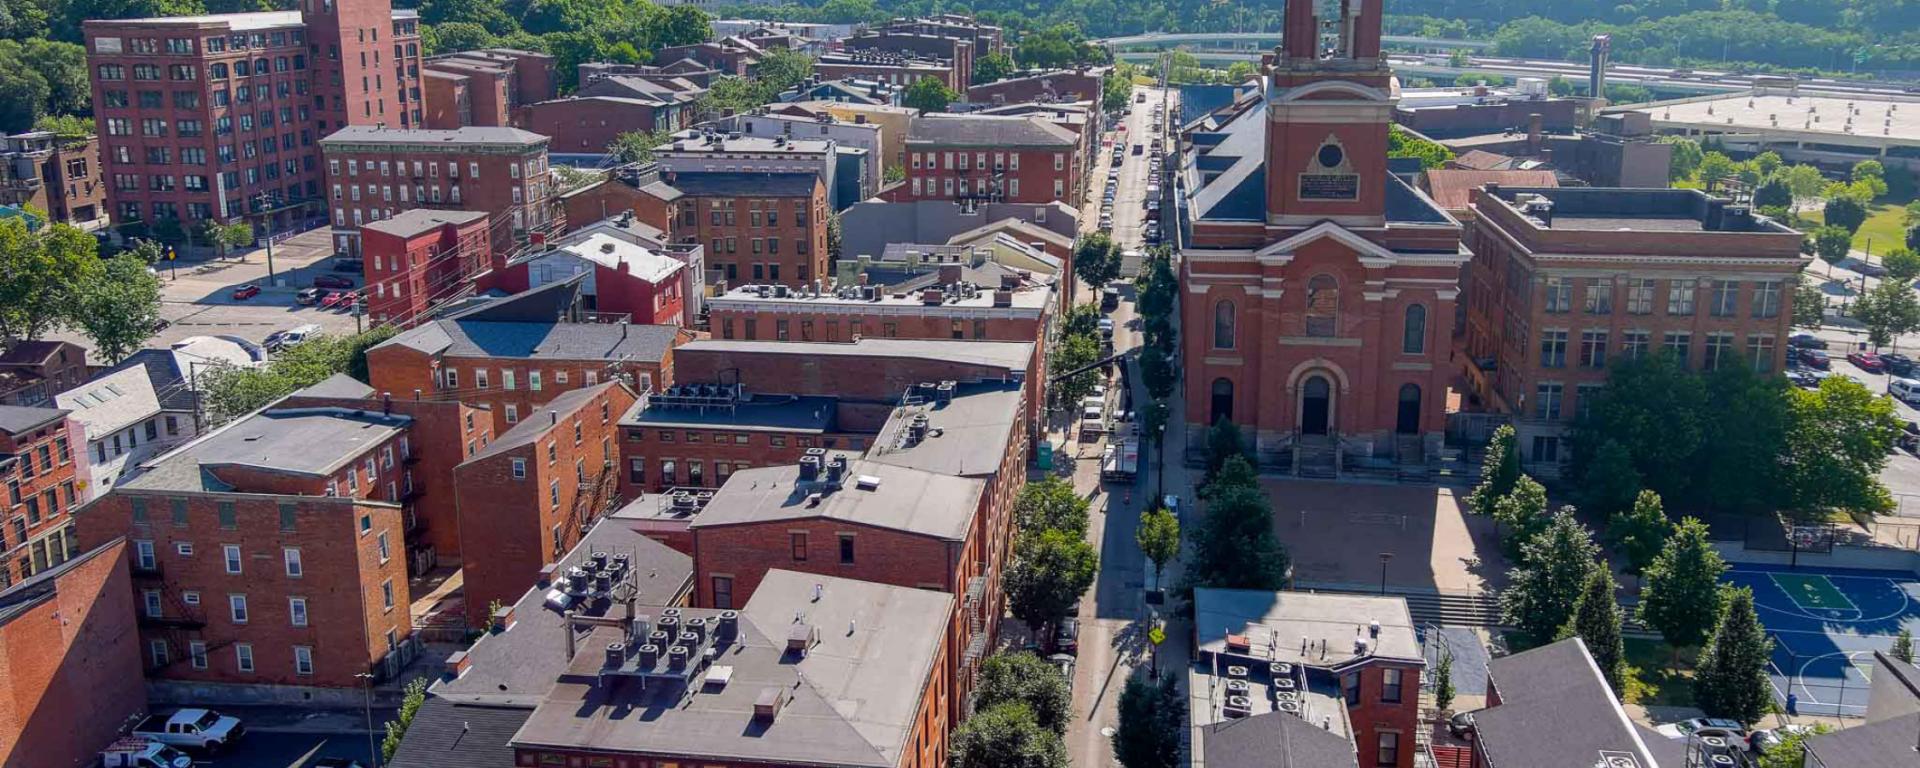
pixel 1905 390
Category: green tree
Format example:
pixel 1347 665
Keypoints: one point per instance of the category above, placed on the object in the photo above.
pixel 39 272
pixel 1080 320
pixel 1158 535
pixel 228 392
pixel 1156 370
pixel 118 306
pixel 1903 265
pixel 684 25
pixel 1234 547
pixel 1791 751
pixel 1773 192
pixel 1903 645
pixel 928 94
pixel 1731 679
pixel 414 695
pixel 1404 143
pixel 1888 310
pixel 1767 162
pixel 1443 691
pixel 1006 736
pixel 1522 513
pixel 1499 470
pixel 1837 444
pixel 1656 409
pixel 1024 678
pixel 1686 157
pixel 1913 238
pixel 65 127
pixel 1868 169
pixel 1805 181
pixel 1715 168
pixel 455 36
pixel 1680 596
pixel 1225 443
pixel 1832 244
pixel 1116 88
pixel 992 67
pixel 1152 719
pixel 1596 621
pixel 1096 260
pixel 1560 86
pixel 1553 568
pixel 1640 533
pixel 1809 304
pixel 1846 212
pixel 1051 505
pixel 1074 352
pixel 1745 432
pixel 1050 570
pixel 781 69
pixel 637 146
pixel 1610 482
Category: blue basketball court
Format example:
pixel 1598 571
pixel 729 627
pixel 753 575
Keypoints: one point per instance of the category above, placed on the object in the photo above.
pixel 1825 624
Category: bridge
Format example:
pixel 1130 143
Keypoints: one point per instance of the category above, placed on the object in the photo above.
pixel 1270 39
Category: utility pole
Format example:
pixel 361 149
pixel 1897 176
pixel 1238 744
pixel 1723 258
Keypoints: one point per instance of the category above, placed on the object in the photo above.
pixel 266 223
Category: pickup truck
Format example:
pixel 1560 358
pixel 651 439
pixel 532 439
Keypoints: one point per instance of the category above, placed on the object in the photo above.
pixel 134 752
pixel 197 728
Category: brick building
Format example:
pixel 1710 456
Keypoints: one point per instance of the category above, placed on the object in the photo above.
pixel 44 464
pixel 588 124
pixel 268 556
pixel 60 176
pixel 872 228
pixel 1320 287
pixel 684 69
pixel 842 169
pixel 375 173
pixel 531 495
pixel 694 438
pixel 992 159
pixel 894 120
pixel 69 660
pixel 986 38
pixel 845 133
pixel 1058 85
pixel 125 423
pixel 895 69
pixel 485 87
pixel 422 257
pixel 1558 688
pixel 733 55
pixel 957 53
pixel 514 355
pixel 1349 667
pixel 620 277
pixel 757 227
pixel 217 117
pixel 33 371
pixel 1564 281
pixel 618 209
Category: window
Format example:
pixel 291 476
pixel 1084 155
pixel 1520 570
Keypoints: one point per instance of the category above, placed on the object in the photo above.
pixel 228 521
pixel 479 374
pixel 1389 749
pixel 1633 344
pixel 386 549
pixel 386 594
pixel 1223 325
pixel 1350 688
pixel 1719 350
pixel 183 548
pixel 452 379
pixel 797 542
pixel 723 592
pixel 513 417
pixel 1593 349
pixel 292 557
pixel 846 549
pixel 1390 686
pixel 1559 294
pixel 1553 348
pixel 151 598
pixel 1726 294
pixel 1680 296
pixel 1766 299
pixel 1323 306
pixel 143 555
pixel 302 660
pixel 157 653
pixel 1676 344
pixel 237 606
pixel 197 651
pixel 1546 404
pixel 533 380
pixel 243 656
pixel 231 553
pixel 1585 395
pixel 1600 296
pixel 506 378
pixel 297 611
pixel 1546 449
pixel 1640 296
pixel 1760 352
pixel 1413 340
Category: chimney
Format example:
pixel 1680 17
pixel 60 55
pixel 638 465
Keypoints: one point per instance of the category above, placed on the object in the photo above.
pixel 1533 133
pixel 457 663
pixel 1003 298
pixel 932 296
pixel 386 404
pixel 949 274
pixel 767 706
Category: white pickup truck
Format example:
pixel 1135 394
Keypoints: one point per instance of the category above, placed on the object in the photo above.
pixel 135 752
pixel 196 728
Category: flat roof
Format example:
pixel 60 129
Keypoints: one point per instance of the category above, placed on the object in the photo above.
pixel 774 413
pixel 473 134
pixel 898 498
pixel 966 436
pixel 1011 355
pixel 1846 119
pixel 416 221
pixel 1273 624
pixel 1609 209
pixel 903 301
pixel 236 21
pixel 313 442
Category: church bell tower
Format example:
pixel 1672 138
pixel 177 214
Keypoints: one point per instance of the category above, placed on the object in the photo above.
pixel 1330 99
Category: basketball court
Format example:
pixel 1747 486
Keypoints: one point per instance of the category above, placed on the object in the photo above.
pixel 1825 624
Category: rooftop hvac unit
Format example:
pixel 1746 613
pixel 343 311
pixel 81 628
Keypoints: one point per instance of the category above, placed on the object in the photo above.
pixel 1280 669
pixel 1289 707
pixel 1721 761
pixel 1283 684
pixel 616 655
pixel 1237 687
pixel 674 612
pixel 1286 696
pixel 1236 673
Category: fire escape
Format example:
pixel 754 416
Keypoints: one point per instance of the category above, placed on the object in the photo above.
pixel 178 624
pixel 593 498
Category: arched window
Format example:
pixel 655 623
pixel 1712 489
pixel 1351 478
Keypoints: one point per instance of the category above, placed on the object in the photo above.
pixel 1323 306
pixel 1221 406
pixel 1415 340
pixel 1223 325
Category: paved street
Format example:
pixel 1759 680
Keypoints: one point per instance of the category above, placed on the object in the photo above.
pixel 290 750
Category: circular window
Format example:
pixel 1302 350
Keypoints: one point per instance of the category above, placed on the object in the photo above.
pixel 1331 155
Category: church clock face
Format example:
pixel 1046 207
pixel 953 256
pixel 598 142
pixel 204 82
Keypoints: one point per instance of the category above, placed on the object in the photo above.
pixel 1329 176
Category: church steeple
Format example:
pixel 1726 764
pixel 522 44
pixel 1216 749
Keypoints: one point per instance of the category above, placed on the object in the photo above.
pixel 1330 98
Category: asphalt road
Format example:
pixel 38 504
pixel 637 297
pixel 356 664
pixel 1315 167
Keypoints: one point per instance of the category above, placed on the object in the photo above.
pixel 290 750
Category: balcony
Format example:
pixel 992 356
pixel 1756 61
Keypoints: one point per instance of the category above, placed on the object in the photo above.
pixel 148 571
pixel 172 622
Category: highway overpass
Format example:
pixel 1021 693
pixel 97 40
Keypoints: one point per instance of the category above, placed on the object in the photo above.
pixel 1225 40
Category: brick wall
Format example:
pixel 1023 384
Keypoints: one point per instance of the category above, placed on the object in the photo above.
pixel 401 371
pixel 71 665
pixel 44 485
pixel 739 248
pixel 936 172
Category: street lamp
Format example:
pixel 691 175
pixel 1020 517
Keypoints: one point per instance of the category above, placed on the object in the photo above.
pixel 1385 557
pixel 373 749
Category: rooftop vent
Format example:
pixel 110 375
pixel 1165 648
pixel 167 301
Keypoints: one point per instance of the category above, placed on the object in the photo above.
pixel 800 637
pixel 767 705
pixel 867 482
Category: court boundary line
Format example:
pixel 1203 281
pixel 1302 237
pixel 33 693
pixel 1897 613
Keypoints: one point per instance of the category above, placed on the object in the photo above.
pixel 1851 605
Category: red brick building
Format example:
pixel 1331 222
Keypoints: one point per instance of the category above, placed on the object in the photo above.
pixel 621 277
pixel 46 479
pixel 60 176
pixel 376 173
pixel 32 372
pixel 992 159
pixel 896 69
pixel 486 87
pixel 269 555
pixel 1081 84
pixel 69 659
pixel 958 53
pixel 1564 281
pixel 514 355
pixel 1320 288
pixel 247 95
pixel 529 497
pixel 757 227
pixel 617 209
pixel 421 258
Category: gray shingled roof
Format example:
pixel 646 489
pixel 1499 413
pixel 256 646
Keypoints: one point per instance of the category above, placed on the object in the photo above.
pixel 16 419
pixel 1275 740
pixel 1555 689
pixel 989 131
pixel 339 386
pixel 448 735
pixel 743 184
pixel 311 442
pixel 532 427
pixel 540 341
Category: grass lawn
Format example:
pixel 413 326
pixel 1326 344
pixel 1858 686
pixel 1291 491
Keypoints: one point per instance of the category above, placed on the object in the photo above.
pixel 1885 227
pixel 1652 678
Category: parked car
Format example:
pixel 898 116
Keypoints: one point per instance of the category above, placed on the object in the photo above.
pixel 1816 358
pixel 1897 364
pixel 131 752
pixel 1139 149
pixel 161 324
pixel 1066 635
pixel 1063 662
pixel 1867 361
pixel 245 292
pixel 1807 341
pixel 1806 377
pixel 333 299
pixel 1109 299
pixel 349 301
pixel 196 728
pixel 332 281
pixel 308 297
pixel 344 264
pixel 279 340
pixel 1703 726
pixel 1905 390
pixel 1461 725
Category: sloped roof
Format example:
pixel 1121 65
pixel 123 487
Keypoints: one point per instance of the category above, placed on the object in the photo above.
pixel 1275 740
pixel 112 402
pixel 1450 187
pixel 989 131
pixel 1555 689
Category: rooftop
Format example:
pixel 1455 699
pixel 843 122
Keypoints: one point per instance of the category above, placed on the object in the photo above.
pixel 532 428
pixel 339 386
pixel 311 442
pixel 15 419
pixel 535 325
pixel 34 590
pixel 1275 740
pixel 1864 119
pixel 112 402
pixel 1269 626
pixel 1557 689
pixel 418 221
pixel 999 131
pixel 470 135
pixel 870 493
pixel 850 699
pixel 692 140
pixel 235 21
pixel 1451 187
pixel 1013 356
pixel 625 257
pixel 744 184
pixel 723 408
pixel 1599 209
pixel 897 289
pixel 965 435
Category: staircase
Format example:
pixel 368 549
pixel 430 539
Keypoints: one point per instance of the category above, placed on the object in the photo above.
pixel 1454 610
pixel 1317 457
pixel 1410 456
pixel 1449 756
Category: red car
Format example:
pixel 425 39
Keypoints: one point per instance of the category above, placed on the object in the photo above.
pixel 1867 361
pixel 349 301
pixel 1816 358
pixel 332 281
pixel 332 300
pixel 245 292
